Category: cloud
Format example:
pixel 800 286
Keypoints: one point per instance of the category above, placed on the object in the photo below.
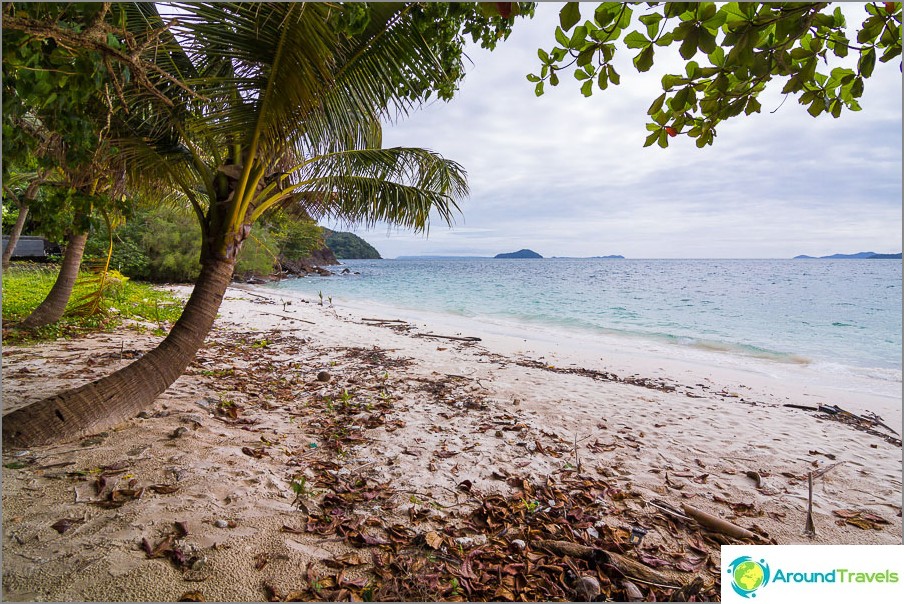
pixel 569 174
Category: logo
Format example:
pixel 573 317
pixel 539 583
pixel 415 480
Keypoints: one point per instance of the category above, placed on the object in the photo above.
pixel 748 575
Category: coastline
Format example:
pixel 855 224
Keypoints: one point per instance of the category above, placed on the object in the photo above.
pixel 443 413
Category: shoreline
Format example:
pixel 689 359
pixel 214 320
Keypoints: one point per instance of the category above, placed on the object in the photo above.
pixel 439 432
pixel 852 388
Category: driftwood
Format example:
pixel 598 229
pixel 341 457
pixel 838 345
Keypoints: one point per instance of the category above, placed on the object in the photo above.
pixel 717 524
pixel 385 320
pixel 276 314
pixel 460 339
pixel 626 566
pixel 810 527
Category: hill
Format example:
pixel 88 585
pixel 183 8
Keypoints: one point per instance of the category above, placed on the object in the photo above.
pixel 520 254
pixel 348 246
pixel 857 256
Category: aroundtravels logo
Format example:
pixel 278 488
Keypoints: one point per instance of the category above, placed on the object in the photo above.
pixel 748 575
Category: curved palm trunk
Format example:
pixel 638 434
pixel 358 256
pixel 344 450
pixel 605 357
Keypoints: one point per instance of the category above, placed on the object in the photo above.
pixel 52 308
pixel 14 235
pixel 120 395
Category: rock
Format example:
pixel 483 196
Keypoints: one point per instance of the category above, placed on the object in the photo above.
pixel 519 544
pixel 220 523
pixel 323 376
pixel 178 432
pixel 144 415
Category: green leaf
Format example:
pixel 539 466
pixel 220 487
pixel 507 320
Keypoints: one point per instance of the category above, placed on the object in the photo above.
pixel 532 78
pixel 613 75
pixel 561 38
pixel 602 81
pixel 680 101
pixel 816 107
pixel 669 81
pixel 578 38
pixel 753 106
pixel 652 138
pixel 580 74
pixel 663 140
pixel 587 88
pixel 635 39
pixel 569 15
pixel 707 40
pixel 544 56
pixel 538 89
pixel 644 60
pixel 586 56
pixel 867 62
pixel 688 47
pixel 656 107
pixel 553 79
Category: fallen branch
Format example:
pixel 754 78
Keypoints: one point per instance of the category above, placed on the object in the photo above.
pixel 626 566
pixel 717 524
pixel 276 314
pixel 810 527
pixel 386 320
pixel 460 339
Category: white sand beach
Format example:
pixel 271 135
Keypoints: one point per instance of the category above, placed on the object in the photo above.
pixel 428 430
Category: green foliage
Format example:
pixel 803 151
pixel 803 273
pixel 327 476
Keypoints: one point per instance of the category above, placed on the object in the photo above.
pixel 297 238
pixel 741 47
pixel 259 253
pixel 26 285
pixel 348 246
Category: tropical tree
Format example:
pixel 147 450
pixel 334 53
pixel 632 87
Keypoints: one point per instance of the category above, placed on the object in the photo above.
pixel 742 48
pixel 278 104
pixel 59 114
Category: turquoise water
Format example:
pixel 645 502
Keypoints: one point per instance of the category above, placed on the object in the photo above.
pixel 844 312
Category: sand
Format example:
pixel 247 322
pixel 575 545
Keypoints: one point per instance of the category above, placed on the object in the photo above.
pixel 434 425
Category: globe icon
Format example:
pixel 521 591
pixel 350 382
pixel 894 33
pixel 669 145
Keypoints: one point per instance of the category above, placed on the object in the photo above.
pixel 748 575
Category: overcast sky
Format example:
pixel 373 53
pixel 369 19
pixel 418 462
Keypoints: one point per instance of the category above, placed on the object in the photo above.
pixel 566 175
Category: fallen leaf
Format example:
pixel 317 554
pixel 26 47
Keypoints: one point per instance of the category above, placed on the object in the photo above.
pixel 192 596
pixel 433 539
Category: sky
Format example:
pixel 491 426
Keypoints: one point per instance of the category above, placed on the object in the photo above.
pixel 566 175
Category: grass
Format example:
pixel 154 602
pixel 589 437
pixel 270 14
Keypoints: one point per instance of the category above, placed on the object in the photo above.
pixel 25 285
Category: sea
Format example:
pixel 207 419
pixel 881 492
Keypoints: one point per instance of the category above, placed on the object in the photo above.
pixel 843 315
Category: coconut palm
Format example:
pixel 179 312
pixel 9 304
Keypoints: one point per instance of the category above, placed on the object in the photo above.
pixel 282 105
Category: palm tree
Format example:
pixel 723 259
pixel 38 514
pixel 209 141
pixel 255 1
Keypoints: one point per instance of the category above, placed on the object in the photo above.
pixel 284 108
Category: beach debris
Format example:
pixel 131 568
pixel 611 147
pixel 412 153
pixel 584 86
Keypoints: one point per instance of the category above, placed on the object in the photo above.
pixel 220 523
pixel 192 596
pixel 862 519
pixel 587 589
pixel 810 526
pixel 63 525
pixel 323 376
pixel 632 592
pixel 718 524
pixel 164 489
pixel 457 338
pixel 755 476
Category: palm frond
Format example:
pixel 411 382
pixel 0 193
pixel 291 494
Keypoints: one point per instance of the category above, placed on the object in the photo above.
pixel 402 186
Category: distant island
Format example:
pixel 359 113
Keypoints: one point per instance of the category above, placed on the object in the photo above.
pixel 520 254
pixel 857 256
pixel 612 257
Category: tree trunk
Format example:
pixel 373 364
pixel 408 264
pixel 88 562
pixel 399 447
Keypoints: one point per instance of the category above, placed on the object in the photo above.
pixel 14 235
pixel 52 308
pixel 110 400
pixel 30 194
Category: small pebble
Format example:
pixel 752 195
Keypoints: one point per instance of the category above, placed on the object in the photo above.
pixel 221 523
pixel 323 376
pixel 519 544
